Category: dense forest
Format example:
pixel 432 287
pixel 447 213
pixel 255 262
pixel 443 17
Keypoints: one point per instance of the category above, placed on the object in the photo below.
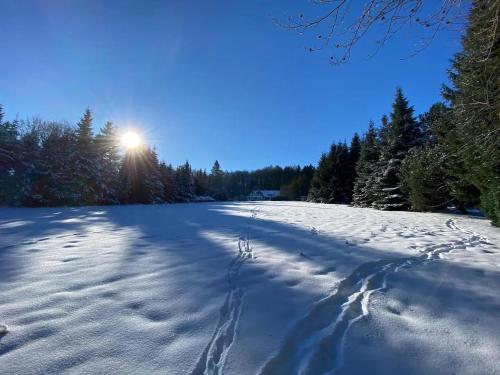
pixel 48 163
pixel 449 155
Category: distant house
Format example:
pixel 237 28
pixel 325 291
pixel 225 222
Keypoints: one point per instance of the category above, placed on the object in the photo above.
pixel 263 195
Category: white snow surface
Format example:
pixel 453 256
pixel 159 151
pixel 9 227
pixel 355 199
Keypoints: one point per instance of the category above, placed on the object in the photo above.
pixel 247 288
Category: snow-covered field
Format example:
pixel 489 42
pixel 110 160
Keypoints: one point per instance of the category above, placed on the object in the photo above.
pixel 247 288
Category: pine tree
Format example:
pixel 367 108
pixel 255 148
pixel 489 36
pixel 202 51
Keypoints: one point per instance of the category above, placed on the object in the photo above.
pixel 342 175
pixel 354 152
pixel 369 154
pixel 32 166
pixel 475 75
pixel 355 149
pixel 428 172
pixel 59 183
pixel 216 182
pixel 167 177
pixel 153 177
pixel 425 178
pixel 320 184
pixel 86 167
pixel 201 182
pixel 332 182
pixel 399 135
pixel 297 186
pixel 184 182
pixel 8 143
pixel 108 164
pixel 10 166
pixel 140 177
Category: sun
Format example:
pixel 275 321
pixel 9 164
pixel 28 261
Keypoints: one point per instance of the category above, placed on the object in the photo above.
pixel 131 140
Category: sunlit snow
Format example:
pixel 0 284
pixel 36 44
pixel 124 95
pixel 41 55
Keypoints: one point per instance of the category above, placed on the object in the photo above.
pixel 247 288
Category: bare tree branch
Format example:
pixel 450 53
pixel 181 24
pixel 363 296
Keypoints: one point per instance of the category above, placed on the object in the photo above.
pixel 340 24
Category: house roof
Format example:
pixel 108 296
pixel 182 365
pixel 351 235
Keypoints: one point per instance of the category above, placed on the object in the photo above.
pixel 266 193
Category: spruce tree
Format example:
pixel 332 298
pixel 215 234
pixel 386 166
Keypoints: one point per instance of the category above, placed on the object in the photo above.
pixel 425 178
pixel 108 164
pixel 399 135
pixel 363 194
pixel 201 182
pixel 320 184
pixel 59 182
pixel 85 164
pixel 355 149
pixel 332 182
pixel 354 152
pixel 475 76
pixel 293 190
pixel 428 172
pixel 31 160
pixel 342 175
pixel 184 182
pixel 153 177
pixel 216 182
pixel 167 177
pixel 10 163
pixel 140 177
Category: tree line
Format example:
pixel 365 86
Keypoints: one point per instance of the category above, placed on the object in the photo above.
pixel 48 163
pixel 449 155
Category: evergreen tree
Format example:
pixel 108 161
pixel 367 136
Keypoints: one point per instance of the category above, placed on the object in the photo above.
pixel 295 189
pixel 140 177
pixel 10 167
pixel 425 178
pixel 153 177
pixel 342 175
pixel 355 149
pixel 332 182
pixel 436 124
pixel 354 152
pixel 399 135
pixel 108 164
pixel 475 75
pixel 366 167
pixel 32 166
pixel 307 172
pixel 86 167
pixel 298 187
pixel 59 183
pixel 201 182
pixel 167 177
pixel 320 184
pixel 184 182
pixel 428 172
pixel 216 182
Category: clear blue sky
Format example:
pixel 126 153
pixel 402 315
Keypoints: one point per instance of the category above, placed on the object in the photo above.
pixel 204 80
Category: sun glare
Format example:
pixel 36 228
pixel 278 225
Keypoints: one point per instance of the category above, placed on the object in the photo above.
pixel 131 140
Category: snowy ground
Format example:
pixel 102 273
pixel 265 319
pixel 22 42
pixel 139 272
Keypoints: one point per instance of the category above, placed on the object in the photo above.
pixel 247 288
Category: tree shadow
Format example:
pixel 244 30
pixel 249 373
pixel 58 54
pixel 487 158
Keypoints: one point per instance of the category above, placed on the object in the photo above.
pixel 184 252
pixel 446 322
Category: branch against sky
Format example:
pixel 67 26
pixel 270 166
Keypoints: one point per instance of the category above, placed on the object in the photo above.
pixel 338 25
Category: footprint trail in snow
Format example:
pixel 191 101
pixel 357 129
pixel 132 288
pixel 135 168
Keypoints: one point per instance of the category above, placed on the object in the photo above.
pixel 316 343
pixel 214 356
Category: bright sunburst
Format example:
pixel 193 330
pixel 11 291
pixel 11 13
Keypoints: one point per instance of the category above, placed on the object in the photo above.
pixel 131 140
